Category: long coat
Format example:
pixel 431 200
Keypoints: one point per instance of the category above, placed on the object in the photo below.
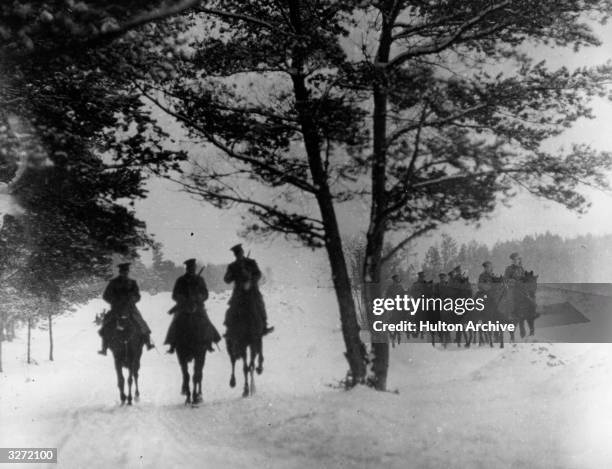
pixel 515 272
pixel 246 296
pixel 122 294
pixel 190 293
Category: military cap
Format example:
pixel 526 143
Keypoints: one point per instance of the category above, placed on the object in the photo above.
pixel 236 248
pixel 457 269
pixel 189 262
pixel 394 276
pixel 124 266
pixel 486 263
pixel 442 275
pixel 421 273
pixel 514 255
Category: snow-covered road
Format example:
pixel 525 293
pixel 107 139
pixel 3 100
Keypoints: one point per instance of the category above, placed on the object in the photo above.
pixel 529 405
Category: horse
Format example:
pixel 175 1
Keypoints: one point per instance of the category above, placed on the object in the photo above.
pixel 459 288
pixel 191 345
pixel 244 332
pixel 513 303
pixel 126 342
pixel 525 304
pixel 489 312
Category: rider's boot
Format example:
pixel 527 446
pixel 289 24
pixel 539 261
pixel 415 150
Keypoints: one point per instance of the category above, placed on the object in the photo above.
pixel 148 342
pixel 171 349
pixel 104 348
pixel 267 329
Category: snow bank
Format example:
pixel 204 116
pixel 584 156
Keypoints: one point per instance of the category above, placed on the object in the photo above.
pixel 528 405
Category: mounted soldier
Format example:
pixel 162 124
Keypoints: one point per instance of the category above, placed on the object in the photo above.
pixel 190 293
pixel 515 270
pixel 245 274
pixel 395 287
pixel 419 286
pixel 122 294
pixel 486 279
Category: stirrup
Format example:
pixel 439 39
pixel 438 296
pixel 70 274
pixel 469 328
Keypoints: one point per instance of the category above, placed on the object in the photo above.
pixel 267 330
pixel 102 352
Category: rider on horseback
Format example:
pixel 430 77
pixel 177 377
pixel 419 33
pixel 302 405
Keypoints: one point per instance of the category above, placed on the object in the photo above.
pixel 487 278
pixel 122 294
pixel 245 274
pixel 190 293
pixel 515 270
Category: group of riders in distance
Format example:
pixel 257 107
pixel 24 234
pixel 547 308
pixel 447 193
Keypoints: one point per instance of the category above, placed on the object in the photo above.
pixel 508 298
pixel 191 333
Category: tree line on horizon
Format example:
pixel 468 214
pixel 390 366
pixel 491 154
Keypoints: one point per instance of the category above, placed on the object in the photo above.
pixel 556 259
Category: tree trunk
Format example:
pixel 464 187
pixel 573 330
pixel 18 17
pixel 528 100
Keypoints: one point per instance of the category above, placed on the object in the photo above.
pixel 376 229
pixel 29 338
pixel 10 329
pixel 355 350
pixel 2 337
pixel 50 317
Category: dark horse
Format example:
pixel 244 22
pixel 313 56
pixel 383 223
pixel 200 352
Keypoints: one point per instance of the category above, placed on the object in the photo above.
pixel 458 289
pixel 513 303
pixel 126 343
pixel 245 332
pixel 191 345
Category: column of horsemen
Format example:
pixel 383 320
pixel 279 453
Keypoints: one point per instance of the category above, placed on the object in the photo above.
pixel 508 298
pixel 189 293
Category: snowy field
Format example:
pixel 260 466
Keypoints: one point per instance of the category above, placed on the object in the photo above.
pixel 529 405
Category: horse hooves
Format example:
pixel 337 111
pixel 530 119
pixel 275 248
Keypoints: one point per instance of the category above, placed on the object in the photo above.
pixel 232 382
pixel 259 369
pixel 245 393
pixel 129 403
pixel 197 399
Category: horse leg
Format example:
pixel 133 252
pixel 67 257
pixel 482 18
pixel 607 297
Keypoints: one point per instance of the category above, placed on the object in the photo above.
pixel 531 324
pixel 198 365
pixel 245 371
pixel 254 353
pixel 185 391
pixel 522 328
pixel 468 338
pixel 136 391
pixel 232 382
pixel 260 357
pixel 130 381
pixel 120 381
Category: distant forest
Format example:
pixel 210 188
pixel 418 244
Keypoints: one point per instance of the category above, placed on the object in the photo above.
pixel 582 259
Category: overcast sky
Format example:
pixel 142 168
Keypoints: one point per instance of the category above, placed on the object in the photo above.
pixel 188 228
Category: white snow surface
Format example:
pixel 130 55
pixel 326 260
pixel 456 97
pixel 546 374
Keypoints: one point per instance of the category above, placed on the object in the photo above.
pixel 530 405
